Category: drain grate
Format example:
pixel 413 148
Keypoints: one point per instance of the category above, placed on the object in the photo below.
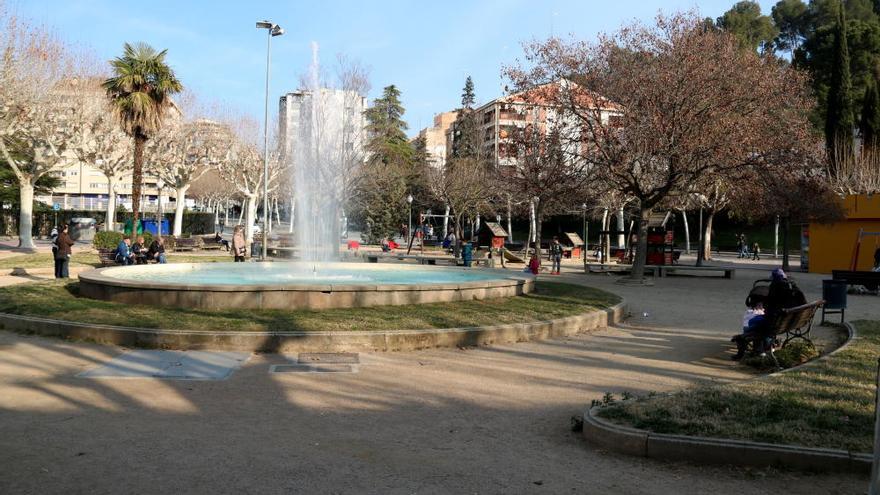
pixel 328 357
pixel 313 368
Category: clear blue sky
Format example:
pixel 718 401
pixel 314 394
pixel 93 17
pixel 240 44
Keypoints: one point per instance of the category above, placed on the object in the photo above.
pixel 425 48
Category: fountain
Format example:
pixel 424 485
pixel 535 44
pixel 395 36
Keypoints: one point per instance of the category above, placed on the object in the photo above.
pixel 319 146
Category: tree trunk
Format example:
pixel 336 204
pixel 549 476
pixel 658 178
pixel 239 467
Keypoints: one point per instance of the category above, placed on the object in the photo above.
pixel 251 217
pixel 785 262
pixel 137 176
pixel 241 211
pixel 638 269
pixel 26 215
pixel 446 222
pixel 776 238
pixel 707 235
pixel 509 220
pixel 687 232
pixel 225 212
pixel 605 239
pixel 621 226
pixel 110 220
pixel 530 241
pixel 292 211
pixel 178 210
pixel 539 224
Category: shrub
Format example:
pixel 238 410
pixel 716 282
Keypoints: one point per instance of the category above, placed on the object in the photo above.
pixel 107 239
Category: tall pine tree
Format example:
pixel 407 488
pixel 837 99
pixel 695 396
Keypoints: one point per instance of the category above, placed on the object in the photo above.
pixel 466 129
pixel 840 120
pixel 468 99
pixel 869 126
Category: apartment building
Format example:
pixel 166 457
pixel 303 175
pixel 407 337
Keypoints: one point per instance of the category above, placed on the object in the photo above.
pixel 84 187
pixel 500 118
pixel 436 137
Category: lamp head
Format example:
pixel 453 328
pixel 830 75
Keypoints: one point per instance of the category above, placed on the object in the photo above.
pixel 409 198
pixel 265 25
pixel 277 31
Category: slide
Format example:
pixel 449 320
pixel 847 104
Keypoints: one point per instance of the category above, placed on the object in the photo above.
pixel 509 256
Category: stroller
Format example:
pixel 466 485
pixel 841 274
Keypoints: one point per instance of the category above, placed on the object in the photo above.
pixel 757 295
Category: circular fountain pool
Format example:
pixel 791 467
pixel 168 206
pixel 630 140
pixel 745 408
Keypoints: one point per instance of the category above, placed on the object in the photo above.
pixel 296 285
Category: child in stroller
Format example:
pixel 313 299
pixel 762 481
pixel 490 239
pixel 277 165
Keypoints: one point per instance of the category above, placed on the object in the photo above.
pixel 752 319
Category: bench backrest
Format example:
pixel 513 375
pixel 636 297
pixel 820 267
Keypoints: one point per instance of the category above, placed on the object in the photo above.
pixel 798 317
pixel 857 275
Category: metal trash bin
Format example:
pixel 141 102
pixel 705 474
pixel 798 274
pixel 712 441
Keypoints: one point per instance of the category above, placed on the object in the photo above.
pixel 834 294
pixel 83 228
pixel 467 254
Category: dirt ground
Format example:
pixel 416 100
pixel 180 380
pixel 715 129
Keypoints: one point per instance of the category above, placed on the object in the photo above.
pixel 488 420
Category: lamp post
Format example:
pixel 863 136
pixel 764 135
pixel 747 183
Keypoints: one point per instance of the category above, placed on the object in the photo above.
pixel 272 30
pixel 409 200
pixel 160 184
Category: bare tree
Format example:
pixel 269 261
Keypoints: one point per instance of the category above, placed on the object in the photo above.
pixel 99 141
pixel 242 167
pixel 465 185
pixel 181 153
pixel 692 105
pixel 39 81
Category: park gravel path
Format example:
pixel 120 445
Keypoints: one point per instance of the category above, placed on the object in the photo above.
pixel 488 420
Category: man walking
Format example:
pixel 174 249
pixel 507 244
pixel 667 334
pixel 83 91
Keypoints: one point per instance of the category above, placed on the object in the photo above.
pixel 556 256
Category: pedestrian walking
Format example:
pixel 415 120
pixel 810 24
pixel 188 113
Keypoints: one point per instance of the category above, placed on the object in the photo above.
pixel 756 252
pixel 556 256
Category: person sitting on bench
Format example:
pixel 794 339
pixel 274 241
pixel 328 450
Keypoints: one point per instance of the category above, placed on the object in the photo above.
pixel 783 294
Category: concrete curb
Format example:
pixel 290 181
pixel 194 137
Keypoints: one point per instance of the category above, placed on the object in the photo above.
pixel 392 340
pixel 24 272
pixel 704 450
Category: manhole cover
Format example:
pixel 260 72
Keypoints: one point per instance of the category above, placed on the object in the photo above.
pixel 312 368
pixel 328 357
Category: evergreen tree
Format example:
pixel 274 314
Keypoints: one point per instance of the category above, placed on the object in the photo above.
pixel 745 21
pixel 790 17
pixel 468 99
pixel 466 128
pixel 380 195
pixel 869 126
pixel 839 120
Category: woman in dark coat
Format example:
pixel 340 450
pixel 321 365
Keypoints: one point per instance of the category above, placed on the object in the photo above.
pixel 62 255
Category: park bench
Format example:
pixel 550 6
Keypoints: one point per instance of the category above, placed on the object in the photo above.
pixel 208 243
pixel 666 270
pixel 107 257
pixel 870 280
pixel 793 323
pixel 187 243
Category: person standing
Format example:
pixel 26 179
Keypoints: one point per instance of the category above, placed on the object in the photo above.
pixel 756 252
pixel 62 254
pixel 239 245
pixel 556 256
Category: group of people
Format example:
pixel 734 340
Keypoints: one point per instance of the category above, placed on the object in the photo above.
pixel 130 254
pixel 742 248
pixel 763 311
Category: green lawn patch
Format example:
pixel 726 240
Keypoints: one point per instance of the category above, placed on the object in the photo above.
pixel 45 260
pixel 58 299
pixel 825 404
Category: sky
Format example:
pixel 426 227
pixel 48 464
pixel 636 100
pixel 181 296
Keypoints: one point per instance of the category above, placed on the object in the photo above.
pixel 426 49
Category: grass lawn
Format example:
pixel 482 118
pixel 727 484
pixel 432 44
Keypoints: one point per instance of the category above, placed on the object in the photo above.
pixel 44 260
pixel 58 299
pixel 826 404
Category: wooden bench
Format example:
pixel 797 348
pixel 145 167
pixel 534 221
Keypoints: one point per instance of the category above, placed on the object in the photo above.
pixel 208 243
pixel 187 243
pixel 793 323
pixel 870 280
pixel 107 257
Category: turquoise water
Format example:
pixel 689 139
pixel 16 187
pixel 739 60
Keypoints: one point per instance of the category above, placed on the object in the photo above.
pixel 298 274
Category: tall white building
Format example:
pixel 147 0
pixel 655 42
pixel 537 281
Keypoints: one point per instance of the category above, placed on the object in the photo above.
pixel 341 121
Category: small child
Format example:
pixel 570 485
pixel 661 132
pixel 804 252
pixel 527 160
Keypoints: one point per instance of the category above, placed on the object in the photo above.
pixel 534 265
pixel 752 317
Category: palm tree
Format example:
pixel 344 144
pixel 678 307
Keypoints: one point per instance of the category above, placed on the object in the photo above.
pixel 140 96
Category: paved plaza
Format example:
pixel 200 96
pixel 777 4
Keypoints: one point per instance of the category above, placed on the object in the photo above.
pixel 488 420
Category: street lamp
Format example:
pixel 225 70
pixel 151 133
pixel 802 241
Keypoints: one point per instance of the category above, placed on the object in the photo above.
pixel 159 185
pixel 409 200
pixel 586 238
pixel 272 30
